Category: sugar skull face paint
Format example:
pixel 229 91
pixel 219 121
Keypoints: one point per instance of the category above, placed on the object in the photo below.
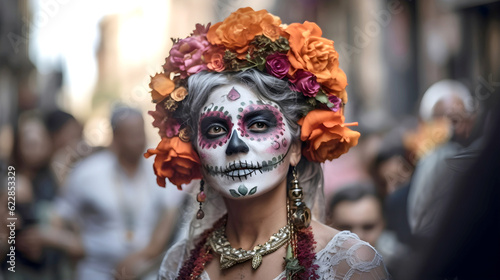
pixel 243 142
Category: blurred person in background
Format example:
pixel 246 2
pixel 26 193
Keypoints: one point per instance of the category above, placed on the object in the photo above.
pixel 36 190
pixel 358 209
pixel 466 242
pixel 32 153
pixel 392 170
pixel 448 102
pixel 68 146
pixel 123 221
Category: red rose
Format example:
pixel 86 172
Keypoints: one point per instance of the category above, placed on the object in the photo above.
pixel 306 83
pixel 277 65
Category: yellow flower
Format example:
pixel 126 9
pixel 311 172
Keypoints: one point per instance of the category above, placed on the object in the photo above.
pixel 161 86
pixel 179 94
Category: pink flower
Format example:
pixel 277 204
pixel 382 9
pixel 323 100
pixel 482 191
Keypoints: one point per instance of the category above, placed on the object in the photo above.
pixel 335 101
pixel 186 56
pixel 277 65
pixel 306 83
pixel 168 127
pixel 172 128
pixel 200 30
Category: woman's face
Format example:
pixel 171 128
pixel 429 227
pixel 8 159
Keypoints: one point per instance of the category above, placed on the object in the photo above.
pixel 34 144
pixel 243 142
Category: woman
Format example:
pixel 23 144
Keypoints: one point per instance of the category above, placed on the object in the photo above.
pixel 244 107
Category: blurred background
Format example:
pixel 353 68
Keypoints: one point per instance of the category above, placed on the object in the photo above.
pixel 85 57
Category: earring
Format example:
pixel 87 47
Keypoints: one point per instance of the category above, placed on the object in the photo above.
pixel 200 197
pixel 300 214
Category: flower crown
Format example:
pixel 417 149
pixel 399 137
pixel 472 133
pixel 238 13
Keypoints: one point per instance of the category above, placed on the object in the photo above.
pixel 252 39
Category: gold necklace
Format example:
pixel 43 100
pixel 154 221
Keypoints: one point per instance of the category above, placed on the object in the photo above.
pixel 230 256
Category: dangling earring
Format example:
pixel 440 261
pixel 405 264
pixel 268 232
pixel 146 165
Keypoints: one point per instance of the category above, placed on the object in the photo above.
pixel 300 214
pixel 200 197
pixel 299 218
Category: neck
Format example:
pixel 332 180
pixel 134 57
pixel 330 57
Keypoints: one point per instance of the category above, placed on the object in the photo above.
pixel 252 221
pixel 128 165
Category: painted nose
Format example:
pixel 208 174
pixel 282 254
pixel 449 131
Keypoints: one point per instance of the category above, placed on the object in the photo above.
pixel 236 145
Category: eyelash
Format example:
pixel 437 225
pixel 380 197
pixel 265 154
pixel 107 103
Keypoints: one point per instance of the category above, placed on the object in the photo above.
pixel 258 129
pixel 209 134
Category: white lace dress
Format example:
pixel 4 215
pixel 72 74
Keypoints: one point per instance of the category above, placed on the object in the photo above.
pixel 344 257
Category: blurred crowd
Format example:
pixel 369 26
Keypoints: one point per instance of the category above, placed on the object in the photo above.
pixel 422 192
pixel 86 212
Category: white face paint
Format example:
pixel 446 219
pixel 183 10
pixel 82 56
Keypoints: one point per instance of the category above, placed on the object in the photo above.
pixel 243 143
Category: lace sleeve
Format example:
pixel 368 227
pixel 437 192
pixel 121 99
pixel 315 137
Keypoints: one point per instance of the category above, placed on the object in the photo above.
pixel 348 258
pixel 172 261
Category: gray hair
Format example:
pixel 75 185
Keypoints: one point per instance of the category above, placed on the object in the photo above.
pixel 440 91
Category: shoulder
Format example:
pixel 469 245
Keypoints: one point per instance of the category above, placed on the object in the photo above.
pixel 436 156
pixel 92 172
pixel 173 260
pixel 327 238
pixel 323 234
pixel 168 197
pixel 359 252
pixel 101 161
pixel 348 257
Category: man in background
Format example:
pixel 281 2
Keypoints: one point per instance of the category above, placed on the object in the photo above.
pixel 123 220
pixel 452 102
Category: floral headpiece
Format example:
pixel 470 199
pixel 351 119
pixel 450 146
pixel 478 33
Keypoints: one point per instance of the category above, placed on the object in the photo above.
pixel 252 39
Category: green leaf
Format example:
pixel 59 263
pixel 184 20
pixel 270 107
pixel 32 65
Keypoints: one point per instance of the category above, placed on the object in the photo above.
pixel 321 97
pixel 289 252
pixel 292 265
pixel 242 190
pixel 312 101
pixel 234 193
pixel 253 190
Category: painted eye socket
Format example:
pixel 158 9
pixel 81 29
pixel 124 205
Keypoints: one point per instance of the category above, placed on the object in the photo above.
pixel 258 126
pixel 215 131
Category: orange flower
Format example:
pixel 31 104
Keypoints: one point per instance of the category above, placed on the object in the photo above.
pixel 179 94
pixel 215 59
pixel 313 53
pixel 336 86
pixel 241 27
pixel 326 135
pixel 271 27
pixel 161 86
pixel 175 160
